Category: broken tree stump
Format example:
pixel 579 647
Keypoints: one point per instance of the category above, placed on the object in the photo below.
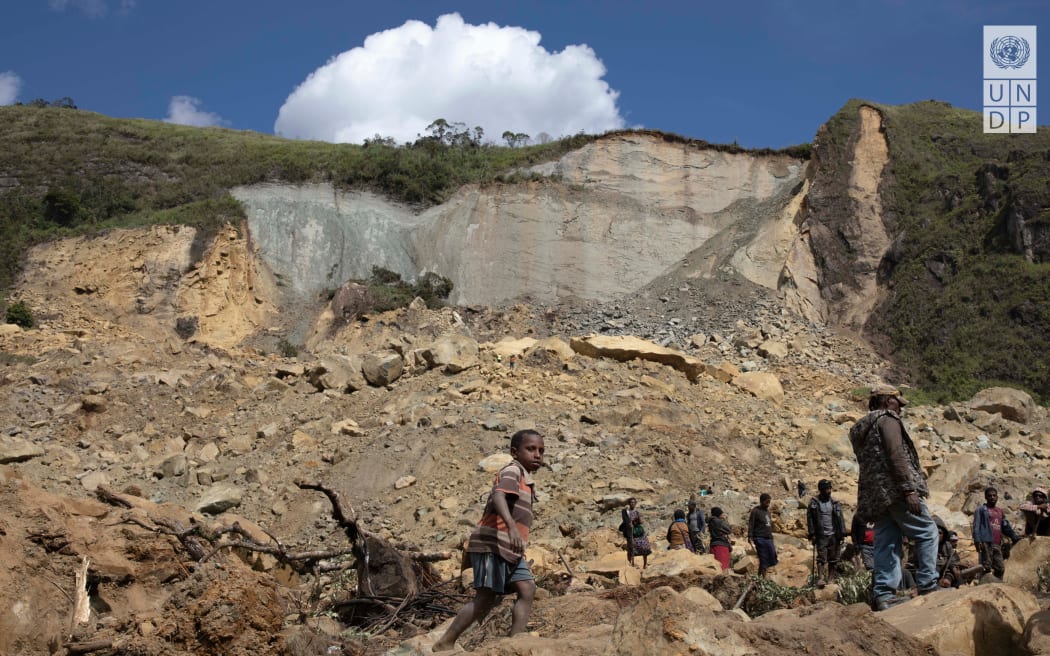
pixel 382 569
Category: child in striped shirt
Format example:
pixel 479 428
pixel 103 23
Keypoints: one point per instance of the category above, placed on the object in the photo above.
pixel 497 544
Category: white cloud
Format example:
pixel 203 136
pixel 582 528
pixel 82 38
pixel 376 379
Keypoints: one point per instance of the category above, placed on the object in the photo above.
pixel 497 77
pixel 186 110
pixel 92 8
pixel 10 85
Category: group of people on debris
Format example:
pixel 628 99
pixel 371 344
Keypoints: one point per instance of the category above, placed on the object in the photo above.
pixel 687 527
pixel 890 510
pixel 890 493
pixel 891 514
pixel 685 531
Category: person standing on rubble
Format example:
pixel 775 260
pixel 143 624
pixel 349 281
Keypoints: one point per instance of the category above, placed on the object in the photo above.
pixel 890 493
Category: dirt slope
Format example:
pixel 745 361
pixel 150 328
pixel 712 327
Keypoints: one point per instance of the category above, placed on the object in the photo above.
pixel 102 396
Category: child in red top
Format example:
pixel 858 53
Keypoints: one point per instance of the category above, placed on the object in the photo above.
pixel 497 545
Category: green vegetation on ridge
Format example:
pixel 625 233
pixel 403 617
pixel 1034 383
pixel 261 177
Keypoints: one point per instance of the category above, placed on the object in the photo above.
pixel 966 310
pixel 65 172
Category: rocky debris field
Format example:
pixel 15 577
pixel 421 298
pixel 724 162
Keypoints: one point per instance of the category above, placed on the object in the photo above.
pixel 110 432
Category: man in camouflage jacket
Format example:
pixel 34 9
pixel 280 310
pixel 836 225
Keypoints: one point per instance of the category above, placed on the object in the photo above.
pixel 890 492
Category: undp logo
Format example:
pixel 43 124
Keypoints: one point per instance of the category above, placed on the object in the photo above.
pixel 1009 52
pixel 1009 85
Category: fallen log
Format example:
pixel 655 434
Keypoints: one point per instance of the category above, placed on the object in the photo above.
pixel 87 646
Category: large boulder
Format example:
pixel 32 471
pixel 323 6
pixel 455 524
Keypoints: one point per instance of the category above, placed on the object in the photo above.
pixel 986 620
pixel 666 622
pixel 508 346
pixel 723 371
pixel 552 349
pixel 219 498
pixel 678 562
pixel 1012 404
pixel 1036 638
pixel 773 349
pixel 382 368
pixel 15 449
pixel 350 301
pixel 452 352
pixel 760 384
pixel 1022 570
pixel 495 462
pixel 948 481
pixel 830 439
pixel 337 372
pixel 627 347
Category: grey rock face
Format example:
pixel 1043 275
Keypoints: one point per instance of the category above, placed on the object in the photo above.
pixel 648 204
pixel 316 238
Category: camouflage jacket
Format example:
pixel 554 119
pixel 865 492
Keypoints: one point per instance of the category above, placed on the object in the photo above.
pixel 887 471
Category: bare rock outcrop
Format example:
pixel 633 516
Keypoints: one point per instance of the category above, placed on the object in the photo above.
pixel 1013 404
pixel 842 226
pixel 624 209
pixel 452 353
pixel 626 347
pixel 987 620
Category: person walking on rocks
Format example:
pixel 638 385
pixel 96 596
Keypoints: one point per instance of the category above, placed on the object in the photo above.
pixel 694 517
pixel 1036 514
pixel 760 534
pixel 640 538
pixel 678 532
pixel 628 516
pixel 826 529
pixel 989 527
pixel 890 493
pixel 721 537
pixel 497 544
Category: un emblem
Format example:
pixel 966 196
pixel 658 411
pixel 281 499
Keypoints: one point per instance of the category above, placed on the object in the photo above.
pixel 1009 52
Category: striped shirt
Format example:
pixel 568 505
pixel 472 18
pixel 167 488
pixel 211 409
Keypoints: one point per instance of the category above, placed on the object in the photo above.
pixel 491 534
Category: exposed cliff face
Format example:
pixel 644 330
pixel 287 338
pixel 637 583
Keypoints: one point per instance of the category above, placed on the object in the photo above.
pixel 147 282
pixel 624 209
pixel 315 238
pixel 832 271
pixel 906 224
pixel 929 237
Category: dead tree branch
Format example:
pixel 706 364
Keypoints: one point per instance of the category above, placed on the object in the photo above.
pixel 107 495
pixel 87 646
pixel 342 512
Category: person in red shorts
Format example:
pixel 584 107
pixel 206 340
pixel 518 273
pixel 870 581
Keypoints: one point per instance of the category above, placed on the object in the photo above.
pixel 497 544
pixel 721 542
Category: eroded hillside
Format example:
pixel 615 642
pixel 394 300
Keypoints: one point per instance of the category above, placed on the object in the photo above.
pixel 602 222
pixel 692 322
pixel 101 397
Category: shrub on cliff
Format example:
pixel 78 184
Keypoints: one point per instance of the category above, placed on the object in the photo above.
pixel 388 291
pixel 18 313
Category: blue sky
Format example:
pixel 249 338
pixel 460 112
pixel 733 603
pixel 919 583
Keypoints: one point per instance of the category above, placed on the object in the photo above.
pixel 762 73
